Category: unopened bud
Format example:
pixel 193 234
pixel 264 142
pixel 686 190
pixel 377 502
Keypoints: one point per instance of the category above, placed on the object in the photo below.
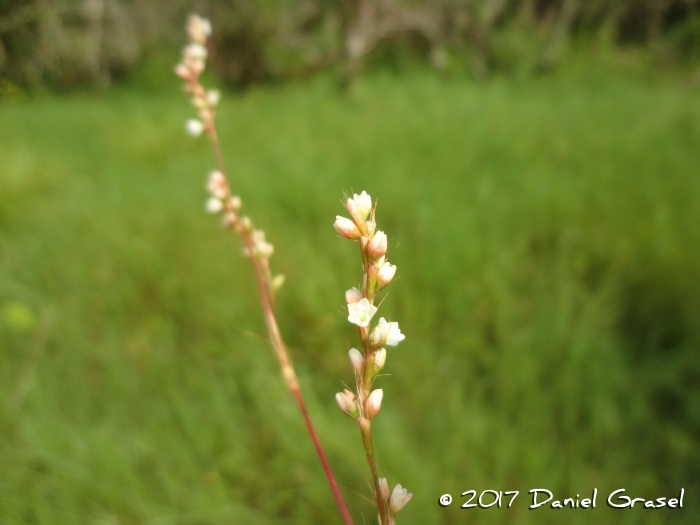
pixel 379 359
pixel 346 228
pixel 213 96
pixel 399 497
pixel 216 185
pixel 360 205
pixel 353 295
pixel 384 487
pixel 379 334
pixel 214 205
pixel 182 71
pixel 357 359
pixel 377 245
pixel 385 274
pixel 194 127
pixel 277 281
pixel 374 403
pixel 346 402
pixel 235 202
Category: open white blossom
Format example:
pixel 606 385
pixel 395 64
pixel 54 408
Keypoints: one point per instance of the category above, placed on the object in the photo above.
pixel 361 312
pixel 399 497
pixel 389 330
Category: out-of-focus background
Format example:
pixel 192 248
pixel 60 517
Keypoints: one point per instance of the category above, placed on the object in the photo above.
pixel 537 169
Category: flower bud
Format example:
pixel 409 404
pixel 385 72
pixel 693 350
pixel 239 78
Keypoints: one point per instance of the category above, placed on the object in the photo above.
pixel 360 205
pixel 194 127
pixel 357 359
pixel 353 295
pixel 213 96
pixel 214 205
pixel 195 52
pixel 384 486
pixel 379 334
pixel 379 359
pixel 235 202
pixel 277 281
pixel 377 245
pixel 346 228
pixel 385 274
pixel 346 402
pixel 374 403
pixel 182 71
pixel 198 28
pixel 399 497
pixel 216 185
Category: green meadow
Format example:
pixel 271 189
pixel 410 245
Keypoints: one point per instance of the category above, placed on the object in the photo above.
pixel 547 237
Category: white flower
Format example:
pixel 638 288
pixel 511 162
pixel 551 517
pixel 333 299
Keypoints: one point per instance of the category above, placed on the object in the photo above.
pixel 399 497
pixel 394 335
pixel 386 333
pixel 194 127
pixel 361 312
pixel 214 205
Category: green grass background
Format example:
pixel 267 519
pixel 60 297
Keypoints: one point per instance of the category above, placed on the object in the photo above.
pixel 547 242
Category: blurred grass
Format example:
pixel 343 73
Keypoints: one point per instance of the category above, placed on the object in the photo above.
pixel 546 235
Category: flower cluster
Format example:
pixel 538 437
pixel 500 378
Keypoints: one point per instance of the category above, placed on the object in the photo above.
pixel 190 68
pixel 194 57
pixel 364 405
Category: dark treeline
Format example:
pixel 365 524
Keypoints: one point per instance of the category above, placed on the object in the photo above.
pixel 65 43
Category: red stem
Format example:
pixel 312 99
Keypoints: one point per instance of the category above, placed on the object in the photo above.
pixel 280 348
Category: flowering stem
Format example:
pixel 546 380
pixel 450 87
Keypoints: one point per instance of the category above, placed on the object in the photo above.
pixel 262 274
pixel 366 431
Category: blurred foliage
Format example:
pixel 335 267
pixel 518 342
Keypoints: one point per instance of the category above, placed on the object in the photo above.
pixel 67 43
pixel 545 232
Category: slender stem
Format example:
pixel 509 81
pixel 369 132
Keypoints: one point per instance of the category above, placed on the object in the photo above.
pixel 290 377
pixel 365 425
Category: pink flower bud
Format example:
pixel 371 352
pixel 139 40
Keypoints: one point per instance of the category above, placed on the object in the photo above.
pixel 385 274
pixel 399 497
pixel 182 71
pixel 374 403
pixel 357 359
pixel 353 295
pixel 346 228
pixel 346 402
pixel 377 245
